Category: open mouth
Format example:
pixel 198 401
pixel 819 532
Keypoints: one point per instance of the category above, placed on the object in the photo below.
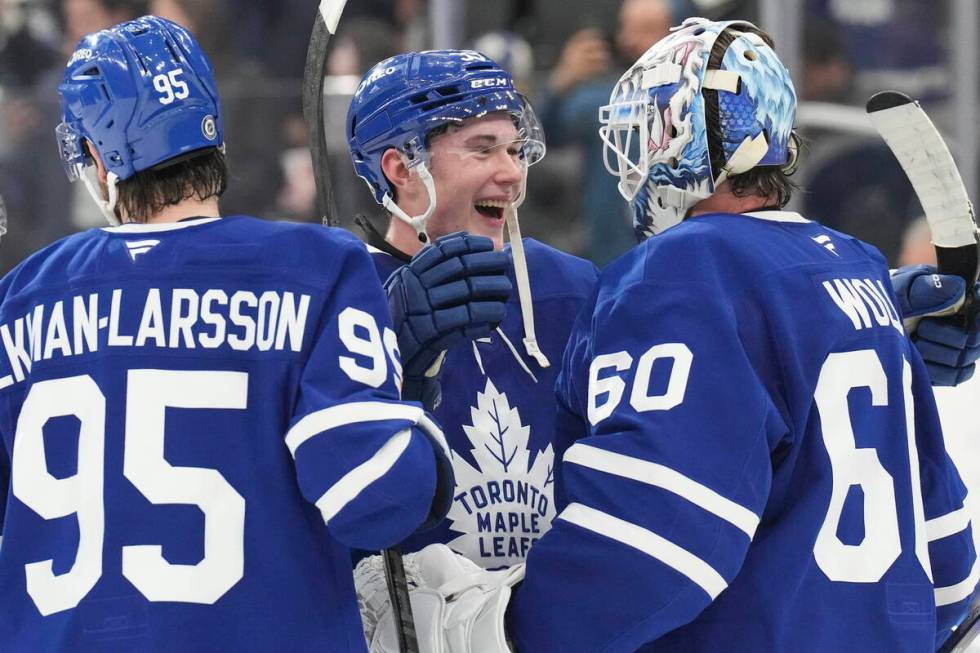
pixel 491 208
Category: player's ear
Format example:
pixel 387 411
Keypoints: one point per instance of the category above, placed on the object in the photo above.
pixel 394 167
pixel 103 175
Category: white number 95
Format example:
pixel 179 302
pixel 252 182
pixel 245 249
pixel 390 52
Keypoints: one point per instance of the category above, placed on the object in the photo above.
pixel 170 86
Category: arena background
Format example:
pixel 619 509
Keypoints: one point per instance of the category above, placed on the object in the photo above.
pixel 565 55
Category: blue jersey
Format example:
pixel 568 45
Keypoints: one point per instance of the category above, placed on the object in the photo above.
pixel 202 419
pixel 761 467
pixel 498 414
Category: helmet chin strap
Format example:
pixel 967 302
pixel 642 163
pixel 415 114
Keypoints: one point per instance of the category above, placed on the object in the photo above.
pixel 416 222
pixel 523 281
pixel 107 207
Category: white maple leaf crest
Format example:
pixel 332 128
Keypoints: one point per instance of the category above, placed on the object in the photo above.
pixel 505 504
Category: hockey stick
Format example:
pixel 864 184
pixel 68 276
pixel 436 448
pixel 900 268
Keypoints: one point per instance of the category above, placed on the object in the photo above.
pixel 325 26
pixel 965 632
pixel 923 155
pixel 327 17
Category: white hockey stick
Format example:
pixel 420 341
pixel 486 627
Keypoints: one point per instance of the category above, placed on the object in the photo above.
pixel 923 155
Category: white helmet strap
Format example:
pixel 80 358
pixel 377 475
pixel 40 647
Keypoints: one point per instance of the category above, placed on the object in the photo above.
pixel 523 280
pixel 416 222
pixel 89 176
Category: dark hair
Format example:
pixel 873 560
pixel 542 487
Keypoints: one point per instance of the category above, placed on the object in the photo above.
pixel 764 181
pixel 201 176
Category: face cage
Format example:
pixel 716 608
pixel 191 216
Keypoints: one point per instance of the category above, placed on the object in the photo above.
pixel 625 134
pixel 71 147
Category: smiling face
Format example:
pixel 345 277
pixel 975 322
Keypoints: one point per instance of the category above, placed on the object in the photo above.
pixel 477 169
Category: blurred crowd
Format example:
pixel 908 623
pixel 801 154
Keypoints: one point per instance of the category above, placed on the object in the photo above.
pixel 565 54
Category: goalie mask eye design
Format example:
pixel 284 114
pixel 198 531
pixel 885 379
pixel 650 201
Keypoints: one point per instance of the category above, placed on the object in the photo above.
pixel 655 132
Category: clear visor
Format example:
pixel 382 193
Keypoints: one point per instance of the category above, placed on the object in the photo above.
pixel 625 135
pixel 71 147
pixel 530 143
pixel 530 133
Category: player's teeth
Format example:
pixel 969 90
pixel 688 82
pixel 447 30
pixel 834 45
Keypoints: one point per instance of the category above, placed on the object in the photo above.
pixel 499 204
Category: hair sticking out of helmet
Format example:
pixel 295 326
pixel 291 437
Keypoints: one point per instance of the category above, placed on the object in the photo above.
pixel 139 94
pixel 656 133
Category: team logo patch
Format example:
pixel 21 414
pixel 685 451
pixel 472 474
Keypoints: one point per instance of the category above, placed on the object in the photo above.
pixel 209 127
pixel 505 504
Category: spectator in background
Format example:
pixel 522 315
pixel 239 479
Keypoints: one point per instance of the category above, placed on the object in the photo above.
pixel 252 103
pixel 41 205
pixel 23 54
pixel 875 205
pixel 580 83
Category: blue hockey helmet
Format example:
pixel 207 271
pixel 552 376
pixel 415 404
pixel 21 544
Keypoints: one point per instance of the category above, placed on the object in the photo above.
pixel 655 130
pixel 142 93
pixel 403 98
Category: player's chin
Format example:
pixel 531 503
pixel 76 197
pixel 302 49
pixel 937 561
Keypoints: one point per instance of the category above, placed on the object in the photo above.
pixel 491 226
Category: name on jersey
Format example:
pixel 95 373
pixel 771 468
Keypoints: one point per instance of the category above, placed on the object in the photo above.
pixel 179 319
pixel 865 302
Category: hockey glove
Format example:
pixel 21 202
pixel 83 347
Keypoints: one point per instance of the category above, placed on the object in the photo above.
pixel 451 291
pixel 949 349
pixel 458 607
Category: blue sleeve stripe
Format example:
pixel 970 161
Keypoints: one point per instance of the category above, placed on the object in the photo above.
pixel 648 542
pixel 356 480
pixel 660 476
pixel 956 593
pixel 349 413
pixel 948 524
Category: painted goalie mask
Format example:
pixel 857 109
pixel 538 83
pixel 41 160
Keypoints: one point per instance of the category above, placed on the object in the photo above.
pixel 654 128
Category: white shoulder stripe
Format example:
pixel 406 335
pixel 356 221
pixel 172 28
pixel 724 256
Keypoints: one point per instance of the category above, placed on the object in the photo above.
pixel 650 473
pixel 356 480
pixel 156 227
pixel 675 557
pixel 350 413
pixel 959 591
pixel 948 524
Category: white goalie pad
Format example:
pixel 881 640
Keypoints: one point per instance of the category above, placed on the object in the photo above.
pixel 458 607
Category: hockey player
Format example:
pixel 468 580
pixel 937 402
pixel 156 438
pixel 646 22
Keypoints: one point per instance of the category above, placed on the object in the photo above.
pixel 759 464
pixel 763 463
pixel 200 415
pixel 444 140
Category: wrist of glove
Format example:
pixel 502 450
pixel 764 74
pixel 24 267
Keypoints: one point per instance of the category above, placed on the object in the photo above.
pixel 948 346
pixel 458 607
pixel 451 291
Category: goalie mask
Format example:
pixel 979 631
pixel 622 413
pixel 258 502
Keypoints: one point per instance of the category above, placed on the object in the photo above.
pixel 655 132
pixel 402 99
pixel 142 94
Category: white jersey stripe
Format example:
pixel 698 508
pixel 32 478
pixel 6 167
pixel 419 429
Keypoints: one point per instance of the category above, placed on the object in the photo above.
pixel 961 590
pixel 356 480
pixel 948 524
pixel 675 557
pixel 344 414
pixel 650 473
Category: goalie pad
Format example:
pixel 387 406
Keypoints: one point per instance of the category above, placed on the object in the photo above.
pixel 458 606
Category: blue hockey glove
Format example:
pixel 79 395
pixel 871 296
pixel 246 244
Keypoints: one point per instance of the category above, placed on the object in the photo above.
pixel 949 349
pixel 451 291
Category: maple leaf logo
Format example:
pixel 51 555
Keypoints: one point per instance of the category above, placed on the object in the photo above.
pixel 505 504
